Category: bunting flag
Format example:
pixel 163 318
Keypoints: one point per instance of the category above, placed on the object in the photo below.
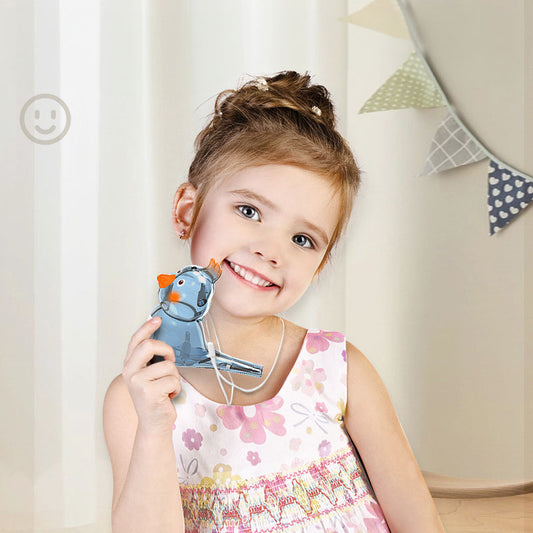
pixel 452 146
pixel 409 86
pixel 509 192
pixel 384 16
pixel 414 85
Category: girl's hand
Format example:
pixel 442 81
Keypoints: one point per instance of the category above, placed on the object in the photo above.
pixel 151 387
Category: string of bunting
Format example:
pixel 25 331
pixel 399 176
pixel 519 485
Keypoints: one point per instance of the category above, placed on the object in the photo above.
pixel 414 85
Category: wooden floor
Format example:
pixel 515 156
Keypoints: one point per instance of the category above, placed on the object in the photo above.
pixel 510 514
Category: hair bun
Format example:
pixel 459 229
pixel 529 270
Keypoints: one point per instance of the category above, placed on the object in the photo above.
pixel 286 90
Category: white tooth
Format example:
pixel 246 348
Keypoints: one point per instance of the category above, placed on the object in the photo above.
pixel 248 276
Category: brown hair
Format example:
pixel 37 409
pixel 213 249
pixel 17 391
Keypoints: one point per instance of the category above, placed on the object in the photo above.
pixel 282 119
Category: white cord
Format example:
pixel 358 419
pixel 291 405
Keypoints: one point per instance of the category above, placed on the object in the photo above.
pixel 213 357
pixel 218 348
pixel 271 369
pixel 220 378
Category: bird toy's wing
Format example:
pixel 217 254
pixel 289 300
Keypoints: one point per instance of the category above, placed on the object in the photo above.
pixel 199 358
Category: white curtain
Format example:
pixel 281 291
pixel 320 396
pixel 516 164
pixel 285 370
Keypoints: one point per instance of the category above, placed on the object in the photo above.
pixel 86 227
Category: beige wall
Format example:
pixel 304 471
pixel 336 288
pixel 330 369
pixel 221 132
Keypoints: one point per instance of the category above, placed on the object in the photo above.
pixel 444 306
pixel 528 238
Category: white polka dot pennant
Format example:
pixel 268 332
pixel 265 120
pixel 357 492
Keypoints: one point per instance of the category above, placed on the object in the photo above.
pixel 410 86
pixel 509 193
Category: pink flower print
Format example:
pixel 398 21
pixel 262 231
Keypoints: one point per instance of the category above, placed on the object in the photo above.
pixel 376 521
pixel 324 448
pixel 308 379
pixel 319 342
pixel 296 463
pixel 321 407
pixel 199 410
pixel 295 444
pixel 253 427
pixel 192 439
pixel 253 457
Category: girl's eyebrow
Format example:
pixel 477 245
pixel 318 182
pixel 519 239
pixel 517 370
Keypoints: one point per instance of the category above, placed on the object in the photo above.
pixel 265 201
pixel 254 196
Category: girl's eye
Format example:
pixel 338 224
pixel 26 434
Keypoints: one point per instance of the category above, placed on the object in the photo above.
pixel 303 240
pixel 248 211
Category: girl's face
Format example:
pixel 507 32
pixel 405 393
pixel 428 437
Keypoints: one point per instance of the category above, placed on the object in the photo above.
pixel 268 227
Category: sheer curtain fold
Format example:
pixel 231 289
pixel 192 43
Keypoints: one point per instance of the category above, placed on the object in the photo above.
pixel 92 210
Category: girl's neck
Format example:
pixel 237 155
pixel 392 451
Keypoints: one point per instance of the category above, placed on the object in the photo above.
pixel 234 331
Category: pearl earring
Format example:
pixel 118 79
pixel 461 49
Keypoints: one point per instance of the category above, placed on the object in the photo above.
pixel 182 234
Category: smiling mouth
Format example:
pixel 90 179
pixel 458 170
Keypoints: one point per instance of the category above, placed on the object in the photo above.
pixel 249 276
pixel 45 132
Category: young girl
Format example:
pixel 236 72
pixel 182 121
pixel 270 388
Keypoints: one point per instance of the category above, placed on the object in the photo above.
pixel 269 193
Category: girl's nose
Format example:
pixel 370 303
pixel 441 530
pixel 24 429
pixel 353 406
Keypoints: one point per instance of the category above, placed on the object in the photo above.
pixel 269 251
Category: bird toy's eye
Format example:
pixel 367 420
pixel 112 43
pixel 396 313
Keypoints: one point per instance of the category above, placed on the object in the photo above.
pixel 181 282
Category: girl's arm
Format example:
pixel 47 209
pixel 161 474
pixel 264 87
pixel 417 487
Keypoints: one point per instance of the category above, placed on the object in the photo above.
pixel 138 420
pixel 374 428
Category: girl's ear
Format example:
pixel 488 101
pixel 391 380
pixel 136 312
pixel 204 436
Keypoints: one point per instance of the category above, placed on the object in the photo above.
pixel 183 208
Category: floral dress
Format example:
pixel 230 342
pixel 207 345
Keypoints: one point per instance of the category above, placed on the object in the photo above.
pixel 286 464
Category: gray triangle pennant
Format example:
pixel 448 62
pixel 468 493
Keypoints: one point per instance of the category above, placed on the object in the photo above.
pixel 451 147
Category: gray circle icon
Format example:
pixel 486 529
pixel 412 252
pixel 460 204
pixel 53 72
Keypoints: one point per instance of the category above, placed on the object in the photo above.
pixel 45 119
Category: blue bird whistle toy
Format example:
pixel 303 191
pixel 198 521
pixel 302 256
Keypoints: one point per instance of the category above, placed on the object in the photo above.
pixel 184 299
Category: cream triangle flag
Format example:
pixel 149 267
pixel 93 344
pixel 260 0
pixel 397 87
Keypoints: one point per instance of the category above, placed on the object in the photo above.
pixel 384 16
pixel 409 86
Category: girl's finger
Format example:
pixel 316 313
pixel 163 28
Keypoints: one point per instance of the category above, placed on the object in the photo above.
pixel 158 370
pixel 168 385
pixel 157 388
pixel 144 332
pixel 145 351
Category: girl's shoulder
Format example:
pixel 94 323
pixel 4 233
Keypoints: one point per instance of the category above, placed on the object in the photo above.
pixel 299 333
pixel 321 347
pixel 316 340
